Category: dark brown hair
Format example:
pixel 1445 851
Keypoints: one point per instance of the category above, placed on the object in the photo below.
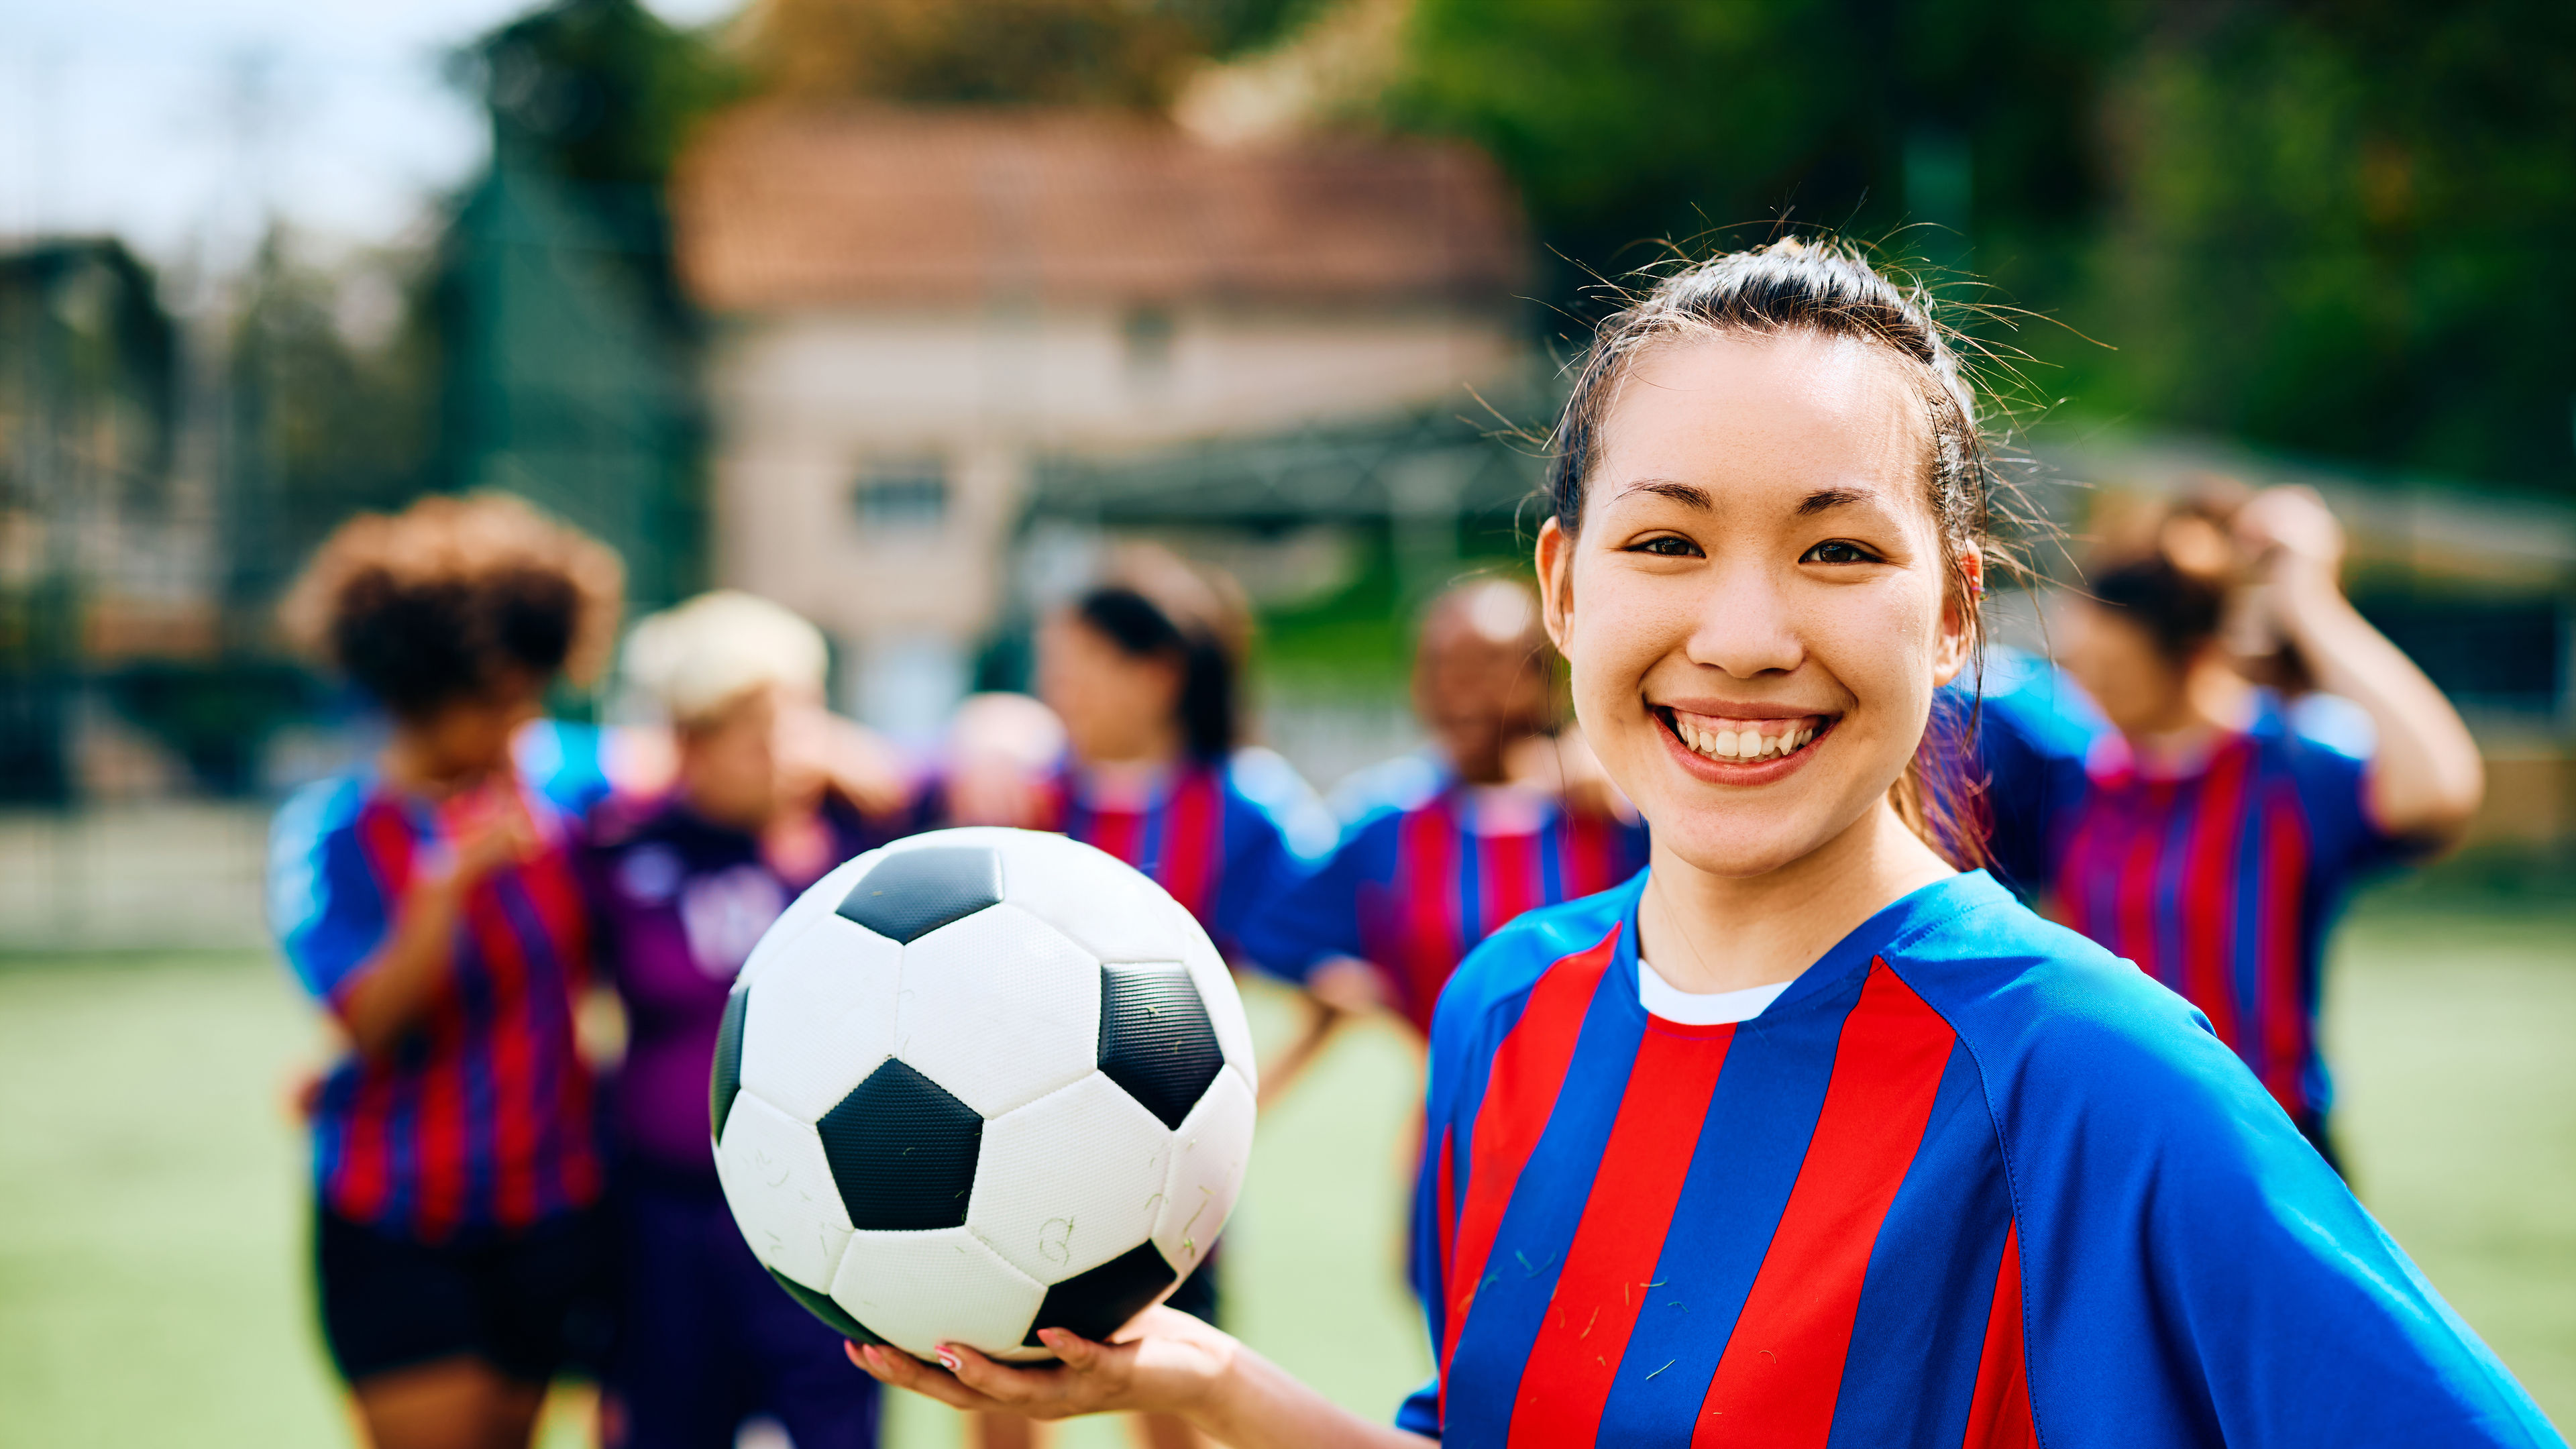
pixel 446 599
pixel 1826 286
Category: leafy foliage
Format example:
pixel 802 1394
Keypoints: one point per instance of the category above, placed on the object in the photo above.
pixel 2327 227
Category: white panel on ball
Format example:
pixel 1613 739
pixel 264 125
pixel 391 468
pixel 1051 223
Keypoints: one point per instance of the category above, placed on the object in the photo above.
pixel 999 1009
pixel 920 1290
pixel 1108 909
pixel 1069 1182
pixel 819 900
pixel 1209 1154
pixel 781 1192
pixel 821 1017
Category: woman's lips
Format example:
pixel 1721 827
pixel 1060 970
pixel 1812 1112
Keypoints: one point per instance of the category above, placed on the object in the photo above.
pixel 1736 739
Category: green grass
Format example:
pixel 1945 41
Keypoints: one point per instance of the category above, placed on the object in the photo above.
pixel 153 1288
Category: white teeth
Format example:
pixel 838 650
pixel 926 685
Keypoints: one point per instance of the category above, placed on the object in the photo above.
pixel 1726 744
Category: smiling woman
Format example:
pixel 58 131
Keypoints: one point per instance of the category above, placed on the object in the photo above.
pixel 1804 1137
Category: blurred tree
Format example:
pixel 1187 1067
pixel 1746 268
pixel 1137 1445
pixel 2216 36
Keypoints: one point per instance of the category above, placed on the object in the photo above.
pixel 2345 229
pixel 2322 226
pixel 1130 53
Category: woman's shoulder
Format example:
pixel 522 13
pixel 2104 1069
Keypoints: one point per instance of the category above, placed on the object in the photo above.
pixel 1502 970
pixel 2053 1019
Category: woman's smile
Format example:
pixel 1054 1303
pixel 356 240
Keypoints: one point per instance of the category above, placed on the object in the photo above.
pixel 1738 744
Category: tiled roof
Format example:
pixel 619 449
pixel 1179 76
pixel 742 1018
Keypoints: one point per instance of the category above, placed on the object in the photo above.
pixel 779 209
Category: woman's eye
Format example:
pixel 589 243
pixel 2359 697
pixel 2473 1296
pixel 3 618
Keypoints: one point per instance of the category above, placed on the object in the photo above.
pixel 1838 551
pixel 1667 546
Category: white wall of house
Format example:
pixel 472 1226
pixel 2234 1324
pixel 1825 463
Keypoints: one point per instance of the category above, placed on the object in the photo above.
pixel 815 406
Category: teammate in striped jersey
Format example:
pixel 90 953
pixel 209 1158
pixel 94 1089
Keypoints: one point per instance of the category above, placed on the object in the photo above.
pixel 1805 1137
pixel 1413 886
pixel 428 901
pixel 2207 837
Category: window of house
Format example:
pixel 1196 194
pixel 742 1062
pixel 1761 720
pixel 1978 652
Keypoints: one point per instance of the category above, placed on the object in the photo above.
pixel 902 494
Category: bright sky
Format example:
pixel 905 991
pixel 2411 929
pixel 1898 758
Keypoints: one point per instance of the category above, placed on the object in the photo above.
pixel 157 120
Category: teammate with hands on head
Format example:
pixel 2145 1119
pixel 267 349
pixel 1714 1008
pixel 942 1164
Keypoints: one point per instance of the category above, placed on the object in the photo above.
pixel 2210 837
pixel 1960 1184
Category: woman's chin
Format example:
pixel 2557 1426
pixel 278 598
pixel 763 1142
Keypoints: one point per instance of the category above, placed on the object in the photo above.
pixel 1735 850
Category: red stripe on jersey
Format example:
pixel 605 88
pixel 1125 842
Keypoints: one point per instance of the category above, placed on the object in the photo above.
pixel 1999 1417
pixel 2285 1009
pixel 1427 890
pixel 556 896
pixel 1620 1237
pixel 515 1107
pixel 2137 922
pixel 1193 841
pixel 2209 891
pixel 439 1123
pixel 1520 1092
pixel 1591 856
pixel 363 1180
pixel 1121 833
pixel 2075 874
pixel 1783 1365
pixel 1508 880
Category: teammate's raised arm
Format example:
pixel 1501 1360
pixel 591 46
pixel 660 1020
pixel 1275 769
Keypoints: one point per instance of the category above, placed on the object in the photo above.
pixel 2425 778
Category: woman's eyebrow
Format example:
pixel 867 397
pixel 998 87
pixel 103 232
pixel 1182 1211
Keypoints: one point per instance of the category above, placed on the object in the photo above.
pixel 1825 499
pixel 1689 495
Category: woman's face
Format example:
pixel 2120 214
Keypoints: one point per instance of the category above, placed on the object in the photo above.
pixel 1116 707
pixel 2117 661
pixel 729 764
pixel 465 742
pixel 1754 614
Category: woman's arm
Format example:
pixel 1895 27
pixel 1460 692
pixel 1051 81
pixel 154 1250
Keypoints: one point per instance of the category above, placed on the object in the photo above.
pixel 391 992
pixel 2426 778
pixel 1174 1364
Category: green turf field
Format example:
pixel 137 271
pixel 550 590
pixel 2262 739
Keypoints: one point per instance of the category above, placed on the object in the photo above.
pixel 152 1290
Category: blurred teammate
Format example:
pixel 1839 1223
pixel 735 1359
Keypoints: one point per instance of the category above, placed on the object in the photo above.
pixel 1143 676
pixel 1416 883
pixel 428 901
pixel 682 888
pixel 2206 838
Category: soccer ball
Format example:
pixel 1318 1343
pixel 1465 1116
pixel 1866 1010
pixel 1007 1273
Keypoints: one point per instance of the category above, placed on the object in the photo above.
pixel 978 1083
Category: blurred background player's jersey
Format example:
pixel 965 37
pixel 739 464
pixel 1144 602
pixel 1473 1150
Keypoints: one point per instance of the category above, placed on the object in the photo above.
pixel 1413 889
pixel 1196 831
pixel 679 902
pixel 481 1118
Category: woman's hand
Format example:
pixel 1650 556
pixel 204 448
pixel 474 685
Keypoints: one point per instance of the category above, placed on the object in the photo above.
pixel 1164 1362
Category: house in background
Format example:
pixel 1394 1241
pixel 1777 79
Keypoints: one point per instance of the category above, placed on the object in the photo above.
pixel 913 311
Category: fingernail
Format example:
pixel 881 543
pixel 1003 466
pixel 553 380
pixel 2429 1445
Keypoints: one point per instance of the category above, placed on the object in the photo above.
pixel 947 1360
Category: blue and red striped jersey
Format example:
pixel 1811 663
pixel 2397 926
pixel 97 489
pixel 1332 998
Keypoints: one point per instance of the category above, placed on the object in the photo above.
pixel 2224 884
pixel 1219 852
pixel 481 1117
pixel 1968 1181
pixel 1413 890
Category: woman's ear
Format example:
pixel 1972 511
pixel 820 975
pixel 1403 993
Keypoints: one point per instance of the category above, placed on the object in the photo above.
pixel 1555 581
pixel 1958 616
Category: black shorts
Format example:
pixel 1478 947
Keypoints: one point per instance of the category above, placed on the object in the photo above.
pixel 528 1303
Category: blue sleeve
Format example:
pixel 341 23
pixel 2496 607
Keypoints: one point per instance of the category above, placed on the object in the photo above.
pixel 2193 1273
pixel 1259 869
pixel 1317 918
pixel 2334 792
pixel 2032 760
pixel 325 904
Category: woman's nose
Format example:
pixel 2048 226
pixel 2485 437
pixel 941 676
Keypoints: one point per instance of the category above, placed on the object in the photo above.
pixel 1745 626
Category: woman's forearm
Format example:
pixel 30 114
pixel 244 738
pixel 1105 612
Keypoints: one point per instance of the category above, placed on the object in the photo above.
pixel 1257 1405
pixel 392 991
pixel 2426 777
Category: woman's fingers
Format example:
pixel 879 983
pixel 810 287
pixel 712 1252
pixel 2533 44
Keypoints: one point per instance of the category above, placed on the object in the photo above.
pixel 896 1369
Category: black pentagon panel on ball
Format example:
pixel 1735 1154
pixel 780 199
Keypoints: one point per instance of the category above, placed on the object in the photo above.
pixel 1098 1303
pixel 1155 1038
pixel 912 893
pixel 902 1152
pixel 727 1079
pixel 822 1306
